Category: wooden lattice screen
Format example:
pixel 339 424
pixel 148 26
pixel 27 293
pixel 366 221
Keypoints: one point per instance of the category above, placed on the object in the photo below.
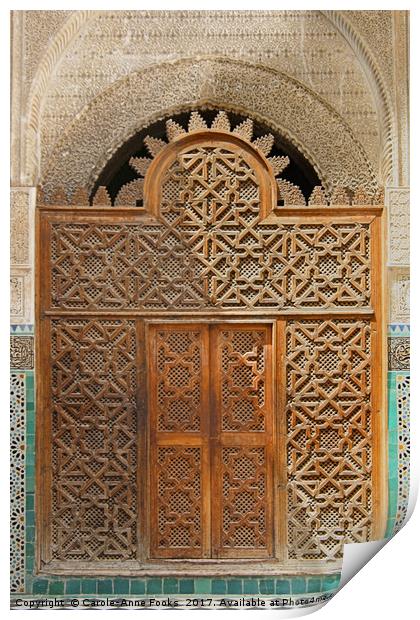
pixel 210 367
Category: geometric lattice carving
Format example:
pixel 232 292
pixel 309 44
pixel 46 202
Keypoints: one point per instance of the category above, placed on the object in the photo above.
pixel 210 471
pixel 179 498
pixel 179 387
pixel 206 246
pixel 244 498
pixel 94 515
pixel 178 421
pixel 210 258
pixel 329 436
pixel 243 378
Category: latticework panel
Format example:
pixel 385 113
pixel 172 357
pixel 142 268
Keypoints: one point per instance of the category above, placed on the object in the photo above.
pixel 204 242
pixel 93 387
pixel 329 436
pixel 179 499
pixel 244 518
pixel 179 386
pixel 179 413
pixel 241 381
pixel 243 378
pixel 206 254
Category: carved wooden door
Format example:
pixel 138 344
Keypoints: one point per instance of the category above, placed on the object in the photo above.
pixel 211 418
pixel 162 329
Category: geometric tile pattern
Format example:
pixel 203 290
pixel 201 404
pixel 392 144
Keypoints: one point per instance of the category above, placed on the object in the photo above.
pixel 398 425
pixel 17 481
pixel 392 454
pixel 24 328
pixel 399 329
pixel 403 412
pixel 22 352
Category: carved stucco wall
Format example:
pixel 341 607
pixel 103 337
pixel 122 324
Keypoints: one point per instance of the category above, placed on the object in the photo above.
pixel 308 46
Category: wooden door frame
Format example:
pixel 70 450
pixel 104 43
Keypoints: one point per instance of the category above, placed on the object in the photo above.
pixel 141 567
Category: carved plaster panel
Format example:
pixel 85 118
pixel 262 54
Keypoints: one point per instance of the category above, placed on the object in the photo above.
pixel 22 203
pixel 21 296
pixel 399 286
pixel 398 200
pixel 399 353
pixel 375 28
pixel 22 352
pixel 40 29
pixel 276 99
pixel 304 44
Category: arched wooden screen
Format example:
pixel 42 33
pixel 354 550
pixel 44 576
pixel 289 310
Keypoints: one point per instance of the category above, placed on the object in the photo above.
pixel 210 367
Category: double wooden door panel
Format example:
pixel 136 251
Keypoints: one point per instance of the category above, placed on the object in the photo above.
pixel 210 440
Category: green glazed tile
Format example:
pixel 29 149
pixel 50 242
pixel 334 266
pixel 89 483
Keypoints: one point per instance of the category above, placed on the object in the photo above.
pixel 218 586
pixel 202 586
pixel 251 586
pixel 30 534
pixel 298 585
pixel 73 586
pixel 186 586
pixel 121 586
pixel 40 586
pixel 154 586
pixel 137 586
pixel 331 582
pixel 314 584
pixel 105 586
pixel 282 586
pixel 234 586
pixel 170 586
pixel 89 586
pixel 30 562
pixel 267 586
pixel 30 425
pixel 30 470
pixel 56 587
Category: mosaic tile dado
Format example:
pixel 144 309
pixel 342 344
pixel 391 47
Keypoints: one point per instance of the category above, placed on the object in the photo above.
pixel 398 450
pixel 403 408
pixel 22 352
pixel 17 481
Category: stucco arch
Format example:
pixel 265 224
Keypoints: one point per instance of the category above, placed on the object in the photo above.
pixel 79 21
pixel 379 91
pixel 276 99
